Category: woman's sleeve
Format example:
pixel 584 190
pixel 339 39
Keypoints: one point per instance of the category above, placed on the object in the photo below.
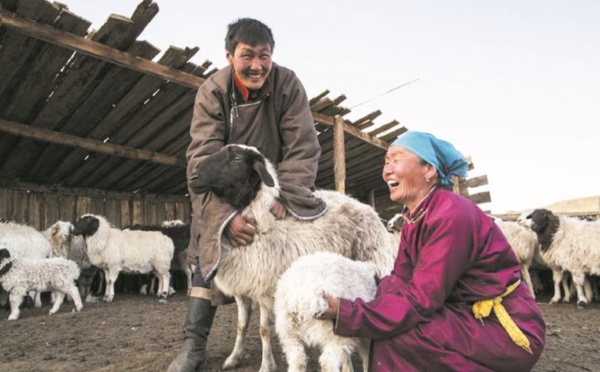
pixel 445 255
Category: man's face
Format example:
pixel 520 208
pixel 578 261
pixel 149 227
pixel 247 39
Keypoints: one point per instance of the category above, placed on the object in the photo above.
pixel 252 65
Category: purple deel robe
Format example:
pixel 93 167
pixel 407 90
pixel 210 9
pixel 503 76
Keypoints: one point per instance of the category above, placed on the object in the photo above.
pixel 422 320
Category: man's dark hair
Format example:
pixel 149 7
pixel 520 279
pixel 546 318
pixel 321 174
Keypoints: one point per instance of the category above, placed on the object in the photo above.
pixel 248 31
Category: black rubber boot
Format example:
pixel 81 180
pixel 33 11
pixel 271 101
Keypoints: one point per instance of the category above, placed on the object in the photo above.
pixel 198 320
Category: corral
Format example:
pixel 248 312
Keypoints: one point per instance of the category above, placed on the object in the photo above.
pixel 72 141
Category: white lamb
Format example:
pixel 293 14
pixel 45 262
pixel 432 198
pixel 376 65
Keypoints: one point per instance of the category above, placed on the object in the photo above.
pixel 114 250
pixel 249 274
pixel 567 244
pixel 299 297
pixel 20 275
pixel 24 241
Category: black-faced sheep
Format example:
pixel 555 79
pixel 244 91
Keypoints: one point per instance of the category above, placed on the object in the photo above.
pixel 299 297
pixel 20 275
pixel 243 177
pixel 567 243
pixel 114 250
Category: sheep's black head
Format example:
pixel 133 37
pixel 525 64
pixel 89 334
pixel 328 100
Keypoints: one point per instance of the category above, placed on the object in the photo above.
pixel 545 224
pixel 4 253
pixel 87 225
pixel 234 173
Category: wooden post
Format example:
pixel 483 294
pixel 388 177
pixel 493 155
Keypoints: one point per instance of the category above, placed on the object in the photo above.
pixel 339 155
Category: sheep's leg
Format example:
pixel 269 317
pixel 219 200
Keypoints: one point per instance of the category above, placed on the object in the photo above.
pixel 59 297
pixel 37 298
pixel 295 354
pixel 567 288
pixel 557 277
pixel 244 307
pixel 334 358
pixel 163 285
pixel 267 327
pixel 363 350
pixel 587 288
pixel 579 279
pixel 76 297
pixel 111 277
pixel 15 298
pixel 527 278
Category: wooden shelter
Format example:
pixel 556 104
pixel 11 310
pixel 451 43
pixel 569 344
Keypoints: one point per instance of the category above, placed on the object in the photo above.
pixel 89 123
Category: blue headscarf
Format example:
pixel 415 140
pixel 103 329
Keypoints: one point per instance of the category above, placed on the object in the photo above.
pixel 439 153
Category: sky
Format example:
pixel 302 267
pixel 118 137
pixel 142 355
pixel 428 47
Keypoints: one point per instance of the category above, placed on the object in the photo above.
pixel 514 84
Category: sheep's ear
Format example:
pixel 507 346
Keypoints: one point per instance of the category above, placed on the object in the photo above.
pixel 260 168
pixel 4 253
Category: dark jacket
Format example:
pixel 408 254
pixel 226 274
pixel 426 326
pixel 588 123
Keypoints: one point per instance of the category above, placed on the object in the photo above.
pixel 280 125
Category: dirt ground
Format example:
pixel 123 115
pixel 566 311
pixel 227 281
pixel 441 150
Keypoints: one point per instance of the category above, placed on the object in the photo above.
pixel 137 333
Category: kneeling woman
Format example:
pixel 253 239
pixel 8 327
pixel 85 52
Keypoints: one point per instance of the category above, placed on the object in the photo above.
pixel 454 300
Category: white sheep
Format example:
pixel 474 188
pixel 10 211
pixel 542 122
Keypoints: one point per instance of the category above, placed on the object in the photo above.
pixel 524 243
pixel 249 273
pixel 299 297
pixel 114 250
pixel 20 275
pixel 73 247
pixel 567 244
pixel 24 241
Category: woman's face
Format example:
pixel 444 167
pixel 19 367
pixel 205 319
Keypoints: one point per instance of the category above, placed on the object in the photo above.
pixel 406 176
pixel 252 64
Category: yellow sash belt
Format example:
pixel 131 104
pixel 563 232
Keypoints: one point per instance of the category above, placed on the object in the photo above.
pixel 482 309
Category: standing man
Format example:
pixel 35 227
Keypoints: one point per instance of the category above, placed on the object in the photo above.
pixel 255 102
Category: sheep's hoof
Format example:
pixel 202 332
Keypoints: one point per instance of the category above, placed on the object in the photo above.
pixel 582 305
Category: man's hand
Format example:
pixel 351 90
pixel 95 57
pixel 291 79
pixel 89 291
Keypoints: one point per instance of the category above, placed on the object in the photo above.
pixel 278 210
pixel 240 230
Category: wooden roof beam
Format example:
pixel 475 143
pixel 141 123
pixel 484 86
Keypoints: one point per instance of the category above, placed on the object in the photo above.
pixel 70 41
pixel 51 136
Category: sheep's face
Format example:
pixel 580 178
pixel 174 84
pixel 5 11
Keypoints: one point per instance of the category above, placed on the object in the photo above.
pixel 60 232
pixel 87 225
pixel 545 224
pixel 4 260
pixel 234 173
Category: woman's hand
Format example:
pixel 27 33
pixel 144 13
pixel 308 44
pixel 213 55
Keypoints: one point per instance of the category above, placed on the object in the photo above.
pixel 332 310
pixel 240 230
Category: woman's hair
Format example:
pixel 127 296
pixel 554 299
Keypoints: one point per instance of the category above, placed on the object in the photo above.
pixel 248 31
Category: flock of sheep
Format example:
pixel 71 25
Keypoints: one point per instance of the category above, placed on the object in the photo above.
pixel 286 269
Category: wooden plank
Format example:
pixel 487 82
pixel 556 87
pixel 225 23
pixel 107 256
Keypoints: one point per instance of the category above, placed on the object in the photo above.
pixel 366 120
pixel 136 212
pixel 91 48
pixel 474 182
pixel 480 198
pixel 118 117
pixel 83 205
pixel 126 215
pixel 92 145
pixel 28 62
pixel 339 158
pixel 52 210
pixel 62 110
pixel 326 120
pixel 383 128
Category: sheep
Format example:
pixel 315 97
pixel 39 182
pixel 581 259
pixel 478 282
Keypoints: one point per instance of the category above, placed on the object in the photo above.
pixel 243 177
pixel 179 233
pixel 24 241
pixel 65 244
pixel 567 244
pixel 524 243
pixel 20 275
pixel 114 250
pixel 299 297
